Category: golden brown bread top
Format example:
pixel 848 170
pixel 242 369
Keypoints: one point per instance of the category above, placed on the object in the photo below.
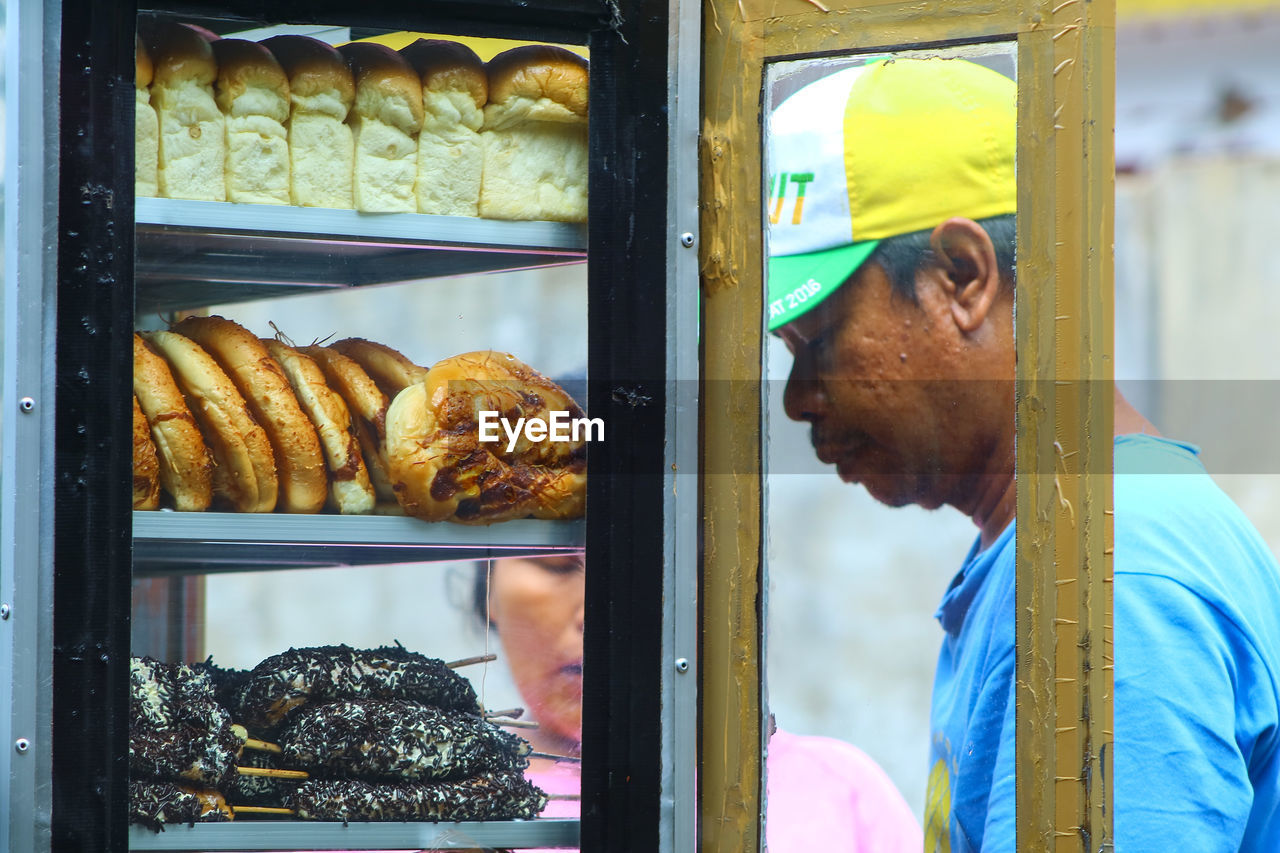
pixel 186 465
pixel 441 470
pixel 383 77
pixel 179 54
pixel 448 66
pixel 243 65
pixel 142 64
pixel 259 378
pixel 390 370
pixel 245 469
pixel 539 71
pixel 146 465
pixel 312 66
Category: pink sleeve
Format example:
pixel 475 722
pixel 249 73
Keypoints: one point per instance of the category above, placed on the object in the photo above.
pixel 825 794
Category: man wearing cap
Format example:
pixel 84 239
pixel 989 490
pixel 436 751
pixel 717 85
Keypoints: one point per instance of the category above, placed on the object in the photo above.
pixel 890 279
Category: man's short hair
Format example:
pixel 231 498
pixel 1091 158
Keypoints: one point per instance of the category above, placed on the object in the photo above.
pixel 901 257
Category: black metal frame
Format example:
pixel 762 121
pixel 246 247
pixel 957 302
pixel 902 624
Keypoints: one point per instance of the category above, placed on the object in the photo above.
pixel 627 359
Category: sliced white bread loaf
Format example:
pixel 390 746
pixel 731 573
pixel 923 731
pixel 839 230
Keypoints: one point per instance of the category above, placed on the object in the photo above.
pixel 321 148
pixel 192 143
pixel 535 136
pixel 146 128
pixel 253 93
pixel 455 89
pixel 385 122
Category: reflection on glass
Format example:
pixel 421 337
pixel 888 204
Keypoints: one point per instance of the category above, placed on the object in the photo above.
pixel 535 607
pixel 352 311
pixel 890 216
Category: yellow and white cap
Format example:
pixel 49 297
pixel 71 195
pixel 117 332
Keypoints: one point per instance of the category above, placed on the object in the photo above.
pixel 888 148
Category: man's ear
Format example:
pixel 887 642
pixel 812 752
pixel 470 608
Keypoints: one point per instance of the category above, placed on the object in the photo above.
pixel 971 277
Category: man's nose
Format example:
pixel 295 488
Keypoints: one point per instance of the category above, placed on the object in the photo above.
pixel 804 397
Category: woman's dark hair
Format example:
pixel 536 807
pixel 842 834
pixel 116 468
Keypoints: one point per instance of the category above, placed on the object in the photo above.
pixel 901 256
pixel 479 603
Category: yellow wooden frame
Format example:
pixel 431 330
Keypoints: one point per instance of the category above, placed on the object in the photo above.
pixel 1066 104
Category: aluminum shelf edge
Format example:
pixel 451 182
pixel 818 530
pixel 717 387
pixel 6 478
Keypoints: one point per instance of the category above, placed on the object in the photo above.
pixel 186 542
pixel 414 229
pixel 295 835
pixel 196 253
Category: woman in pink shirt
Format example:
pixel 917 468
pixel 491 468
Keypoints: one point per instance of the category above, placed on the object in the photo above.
pixel 823 794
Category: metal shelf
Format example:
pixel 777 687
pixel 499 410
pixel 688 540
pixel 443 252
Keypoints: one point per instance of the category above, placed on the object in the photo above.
pixel 196 253
pixel 167 542
pixel 297 835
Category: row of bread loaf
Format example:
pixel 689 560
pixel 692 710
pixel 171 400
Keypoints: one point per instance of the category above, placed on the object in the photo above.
pixel 427 129
pixel 226 420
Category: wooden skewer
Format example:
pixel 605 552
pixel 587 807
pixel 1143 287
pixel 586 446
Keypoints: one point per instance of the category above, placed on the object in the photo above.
pixel 273 773
pixel 564 796
pixel 513 713
pixel 572 759
pixel 262 810
pixel 454 664
pixel 515 724
pixel 262 746
pixel 252 742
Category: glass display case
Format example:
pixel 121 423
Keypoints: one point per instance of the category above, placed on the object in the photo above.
pixel 589 301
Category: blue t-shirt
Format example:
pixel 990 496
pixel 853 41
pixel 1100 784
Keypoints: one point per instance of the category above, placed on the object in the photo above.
pixel 1197 704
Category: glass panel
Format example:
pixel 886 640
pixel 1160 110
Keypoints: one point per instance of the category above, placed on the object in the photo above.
pixel 891 357
pixel 402 527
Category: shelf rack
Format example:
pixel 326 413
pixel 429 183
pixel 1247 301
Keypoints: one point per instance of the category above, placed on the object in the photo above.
pixel 179 543
pixel 192 253
pixel 295 835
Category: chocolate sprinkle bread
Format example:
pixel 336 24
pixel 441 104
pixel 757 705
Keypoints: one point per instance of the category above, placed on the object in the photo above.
pixel 154 803
pixel 176 729
pixel 387 740
pixel 284 683
pixel 504 795
pixel 227 683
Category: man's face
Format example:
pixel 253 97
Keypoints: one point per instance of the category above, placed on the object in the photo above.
pixel 874 376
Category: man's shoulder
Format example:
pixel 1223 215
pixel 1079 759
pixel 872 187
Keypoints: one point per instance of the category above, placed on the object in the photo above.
pixel 1173 523
pixel 1162 489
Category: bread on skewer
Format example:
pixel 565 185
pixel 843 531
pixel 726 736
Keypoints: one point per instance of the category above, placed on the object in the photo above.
pixel 411 741
pixel 285 683
pixel 156 803
pixel 504 795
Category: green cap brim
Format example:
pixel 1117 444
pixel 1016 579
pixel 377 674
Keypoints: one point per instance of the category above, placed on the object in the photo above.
pixel 799 282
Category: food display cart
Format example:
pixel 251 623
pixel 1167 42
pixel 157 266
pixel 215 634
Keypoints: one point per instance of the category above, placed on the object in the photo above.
pixel 673 698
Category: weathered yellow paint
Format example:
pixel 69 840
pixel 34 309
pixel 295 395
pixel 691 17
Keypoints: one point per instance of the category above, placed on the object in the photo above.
pixel 730 661
pixel 1064 305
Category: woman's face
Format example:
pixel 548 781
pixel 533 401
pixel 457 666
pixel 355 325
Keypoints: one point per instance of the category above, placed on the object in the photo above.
pixel 536 606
